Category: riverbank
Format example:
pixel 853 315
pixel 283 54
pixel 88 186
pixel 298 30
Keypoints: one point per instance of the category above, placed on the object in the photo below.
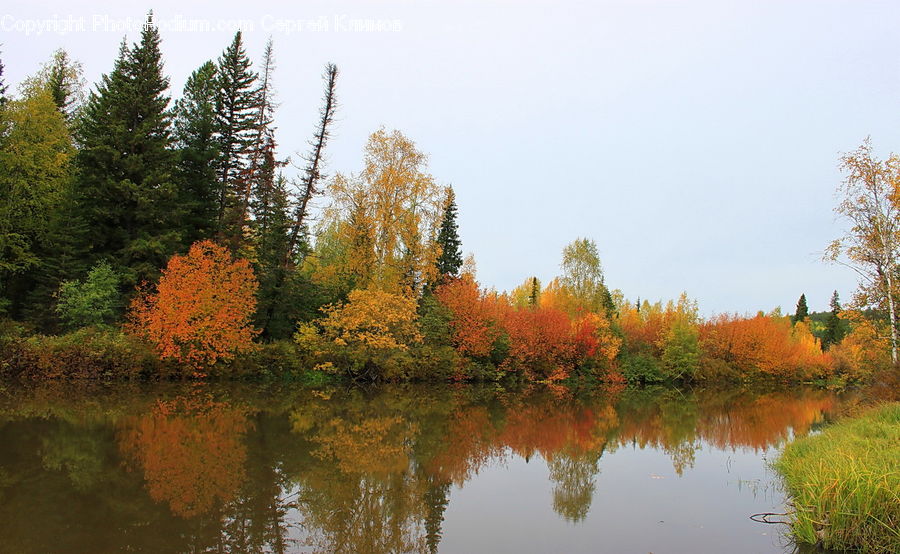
pixel 109 353
pixel 844 483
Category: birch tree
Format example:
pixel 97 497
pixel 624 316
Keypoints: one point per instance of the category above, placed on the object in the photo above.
pixel 870 203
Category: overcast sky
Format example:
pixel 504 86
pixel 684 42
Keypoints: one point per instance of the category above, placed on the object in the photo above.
pixel 696 142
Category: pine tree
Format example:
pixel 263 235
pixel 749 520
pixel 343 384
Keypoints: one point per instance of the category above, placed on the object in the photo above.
pixel 802 310
pixel 263 163
pixel 450 260
pixel 198 152
pixel 835 327
pixel 277 305
pixel 534 297
pixel 64 77
pixel 312 173
pixel 237 111
pixel 3 86
pixel 127 194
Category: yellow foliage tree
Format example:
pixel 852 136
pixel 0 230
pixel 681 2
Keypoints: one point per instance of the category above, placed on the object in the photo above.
pixel 388 216
pixel 368 332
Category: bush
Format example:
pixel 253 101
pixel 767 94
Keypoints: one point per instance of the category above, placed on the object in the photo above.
pixel 96 301
pixel 368 337
pixel 201 310
pixel 89 353
pixel 681 351
pixel 642 368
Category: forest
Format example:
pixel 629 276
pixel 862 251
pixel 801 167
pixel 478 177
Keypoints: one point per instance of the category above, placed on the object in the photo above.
pixel 143 237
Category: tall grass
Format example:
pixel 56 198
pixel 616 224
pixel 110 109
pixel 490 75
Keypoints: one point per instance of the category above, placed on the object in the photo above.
pixel 845 483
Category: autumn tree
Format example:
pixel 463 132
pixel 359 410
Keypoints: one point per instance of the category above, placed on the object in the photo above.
pixel 201 309
pixel 475 319
pixel 582 274
pixel 527 294
pixel 389 215
pixel 870 203
pixel 367 336
pixel 36 155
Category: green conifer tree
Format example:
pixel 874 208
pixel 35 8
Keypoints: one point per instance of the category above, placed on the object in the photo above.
pixel 237 112
pixel 198 153
pixel 3 86
pixel 802 310
pixel 835 327
pixel 450 260
pixel 125 181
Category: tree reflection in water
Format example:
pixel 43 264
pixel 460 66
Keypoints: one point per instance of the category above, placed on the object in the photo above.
pixel 240 468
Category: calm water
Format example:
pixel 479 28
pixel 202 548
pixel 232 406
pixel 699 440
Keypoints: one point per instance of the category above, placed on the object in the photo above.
pixel 193 468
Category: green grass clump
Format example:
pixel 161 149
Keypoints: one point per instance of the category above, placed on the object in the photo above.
pixel 845 483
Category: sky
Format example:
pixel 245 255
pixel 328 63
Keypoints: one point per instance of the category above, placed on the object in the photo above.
pixel 696 142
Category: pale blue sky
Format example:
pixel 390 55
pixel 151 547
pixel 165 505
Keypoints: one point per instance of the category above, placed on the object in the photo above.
pixel 696 142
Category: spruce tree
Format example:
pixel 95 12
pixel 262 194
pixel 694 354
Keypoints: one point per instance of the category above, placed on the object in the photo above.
pixel 64 77
pixel 263 163
pixel 127 194
pixel 277 302
pixel 835 327
pixel 237 111
pixel 534 297
pixel 450 260
pixel 3 86
pixel 802 310
pixel 198 152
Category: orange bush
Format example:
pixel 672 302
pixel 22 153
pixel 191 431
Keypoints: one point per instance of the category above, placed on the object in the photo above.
pixel 201 309
pixel 475 324
pixel 764 344
pixel 540 342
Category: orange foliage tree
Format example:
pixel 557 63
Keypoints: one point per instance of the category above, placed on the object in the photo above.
pixel 474 324
pixel 764 344
pixel 202 308
pixel 540 342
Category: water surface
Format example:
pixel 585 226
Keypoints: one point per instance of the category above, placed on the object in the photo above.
pixel 251 468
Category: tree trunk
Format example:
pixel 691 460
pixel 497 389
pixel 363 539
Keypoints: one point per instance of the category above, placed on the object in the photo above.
pixel 893 316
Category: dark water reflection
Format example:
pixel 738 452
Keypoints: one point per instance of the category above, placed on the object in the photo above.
pixel 195 468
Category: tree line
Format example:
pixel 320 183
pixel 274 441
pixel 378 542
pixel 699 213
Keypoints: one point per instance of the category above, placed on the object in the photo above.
pixel 132 221
pixel 114 182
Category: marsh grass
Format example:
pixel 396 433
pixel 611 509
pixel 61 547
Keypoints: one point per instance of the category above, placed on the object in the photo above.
pixel 845 483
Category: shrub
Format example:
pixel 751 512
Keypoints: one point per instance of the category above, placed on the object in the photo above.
pixel 367 337
pixel 89 353
pixel 95 301
pixel 202 308
pixel 641 368
pixel 681 351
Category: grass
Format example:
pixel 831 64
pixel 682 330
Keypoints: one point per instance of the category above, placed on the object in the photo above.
pixel 845 483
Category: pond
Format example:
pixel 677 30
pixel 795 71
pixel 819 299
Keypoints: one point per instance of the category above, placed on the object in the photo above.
pixel 253 468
